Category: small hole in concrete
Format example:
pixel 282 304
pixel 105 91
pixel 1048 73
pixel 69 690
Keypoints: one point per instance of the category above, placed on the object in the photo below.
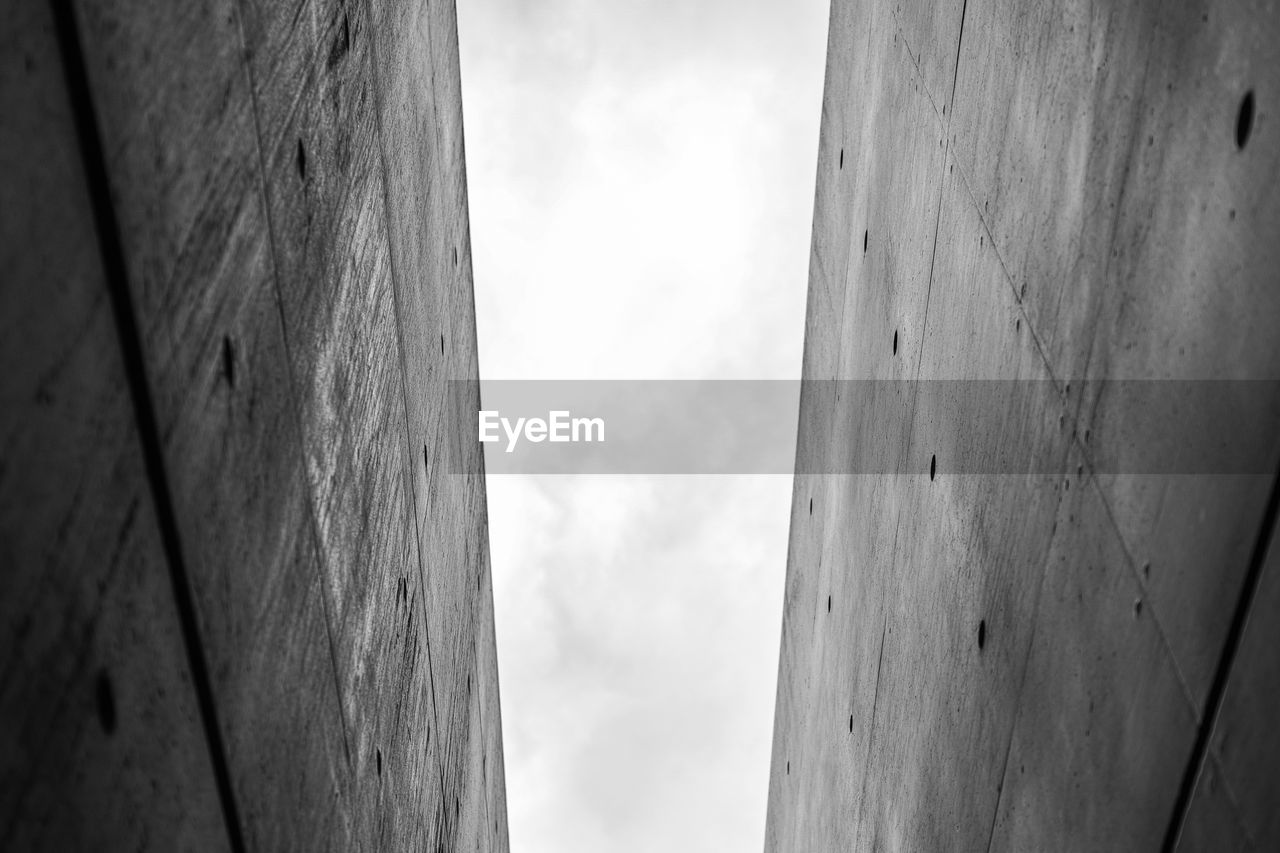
pixel 788 768
pixel 933 466
pixel 982 634
pixel 442 344
pixel 301 158
pixel 828 604
pixel 105 699
pixel 1244 120
pixel 866 235
pixel 810 506
pixel 1017 325
pixel 425 464
pixel 228 361
pixel 1146 570
pixel 379 763
pixel 895 341
pixel 851 724
pixel 841 158
pixel 455 256
pixel 1137 608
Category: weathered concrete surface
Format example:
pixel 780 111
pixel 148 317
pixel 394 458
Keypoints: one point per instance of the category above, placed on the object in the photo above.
pixel 101 733
pixel 1054 192
pixel 239 609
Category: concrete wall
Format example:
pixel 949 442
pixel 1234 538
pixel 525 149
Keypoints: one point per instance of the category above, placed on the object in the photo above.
pixel 243 604
pixel 1079 659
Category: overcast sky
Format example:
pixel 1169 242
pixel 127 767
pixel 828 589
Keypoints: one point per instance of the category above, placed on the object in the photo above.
pixel 641 180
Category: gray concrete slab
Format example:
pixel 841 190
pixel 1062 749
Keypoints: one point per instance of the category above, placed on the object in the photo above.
pixel 101 744
pixel 1053 195
pixel 267 217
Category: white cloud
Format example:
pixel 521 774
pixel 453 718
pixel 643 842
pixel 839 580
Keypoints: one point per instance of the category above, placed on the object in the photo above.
pixel 641 186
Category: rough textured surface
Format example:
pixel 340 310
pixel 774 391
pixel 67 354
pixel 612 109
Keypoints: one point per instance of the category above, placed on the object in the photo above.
pixel 275 196
pixel 100 736
pixel 1055 192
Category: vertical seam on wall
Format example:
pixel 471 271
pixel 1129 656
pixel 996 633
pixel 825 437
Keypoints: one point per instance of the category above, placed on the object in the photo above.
pixel 871 734
pixel 110 246
pixel 1022 680
pixel 937 222
pixel 1222 673
pixel 312 524
pixel 955 71
pixel 373 65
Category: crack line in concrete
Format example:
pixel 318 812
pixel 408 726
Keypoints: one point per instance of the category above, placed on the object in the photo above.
pixel 945 121
pixel 115 270
pixel 871 734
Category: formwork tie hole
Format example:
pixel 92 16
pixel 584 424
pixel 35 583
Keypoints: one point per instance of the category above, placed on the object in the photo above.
pixel 1244 120
pixel 105 699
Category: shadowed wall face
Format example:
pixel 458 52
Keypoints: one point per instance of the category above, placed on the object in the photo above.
pixel 244 602
pixel 1062 193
